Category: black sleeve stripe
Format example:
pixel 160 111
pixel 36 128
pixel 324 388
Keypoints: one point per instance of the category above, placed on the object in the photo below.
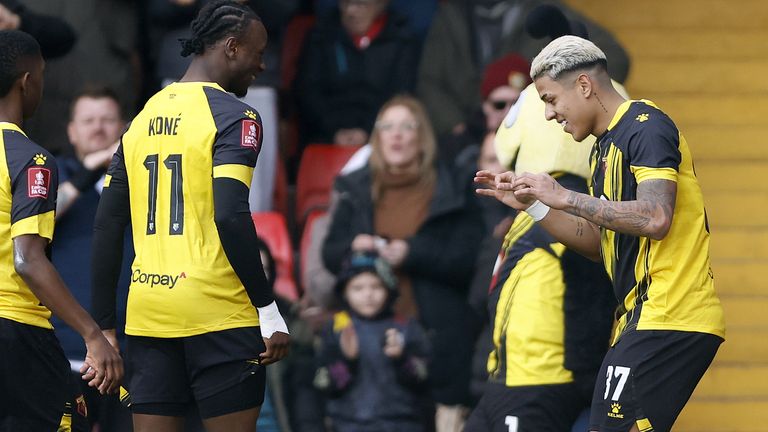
pixel 227 110
pixel 34 176
pixel 239 131
pixel 655 142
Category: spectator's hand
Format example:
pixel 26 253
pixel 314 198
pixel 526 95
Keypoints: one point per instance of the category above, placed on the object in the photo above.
pixel 394 343
pixel 277 348
pixel 350 346
pixel 350 137
pixel 8 19
pixel 395 252
pixel 363 243
pixel 501 187
pixel 459 129
pixel 315 316
pixel 100 158
pixel 102 367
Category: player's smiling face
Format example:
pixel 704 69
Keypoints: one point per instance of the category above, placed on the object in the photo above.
pixel 247 57
pixel 565 103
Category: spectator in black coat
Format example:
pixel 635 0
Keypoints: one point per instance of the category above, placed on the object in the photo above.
pixel 54 35
pixel 354 59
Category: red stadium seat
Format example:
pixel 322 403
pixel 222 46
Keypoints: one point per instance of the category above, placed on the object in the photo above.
pixel 293 42
pixel 272 228
pixel 320 163
pixel 280 195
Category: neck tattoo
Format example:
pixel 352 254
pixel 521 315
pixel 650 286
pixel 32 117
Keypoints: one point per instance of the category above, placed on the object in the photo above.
pixel 600 102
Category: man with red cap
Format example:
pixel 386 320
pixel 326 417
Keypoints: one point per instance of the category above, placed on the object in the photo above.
pixel 503 80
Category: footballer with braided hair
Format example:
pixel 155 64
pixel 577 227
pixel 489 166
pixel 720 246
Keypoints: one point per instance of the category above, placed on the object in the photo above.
pixel 201 320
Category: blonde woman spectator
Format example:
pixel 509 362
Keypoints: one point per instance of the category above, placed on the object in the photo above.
pixel 424 222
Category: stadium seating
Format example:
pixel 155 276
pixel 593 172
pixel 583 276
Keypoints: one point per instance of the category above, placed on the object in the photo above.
pixel 317 170
pixel 272 228
pixel 292 45
pixel 280 195
pixel 293 42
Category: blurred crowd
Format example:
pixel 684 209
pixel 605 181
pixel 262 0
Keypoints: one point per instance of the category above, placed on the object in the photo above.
pixel 390 312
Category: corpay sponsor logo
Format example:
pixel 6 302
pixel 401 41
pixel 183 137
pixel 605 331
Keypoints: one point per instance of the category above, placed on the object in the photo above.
pixel 153 279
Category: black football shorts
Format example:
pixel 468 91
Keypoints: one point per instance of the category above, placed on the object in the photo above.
pixel 647 377
pixel 220 371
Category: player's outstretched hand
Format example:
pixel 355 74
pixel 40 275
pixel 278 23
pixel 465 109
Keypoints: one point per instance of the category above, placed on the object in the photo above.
pixel 277 348
pixel 542 187
pixel 103 367
pixel 501 187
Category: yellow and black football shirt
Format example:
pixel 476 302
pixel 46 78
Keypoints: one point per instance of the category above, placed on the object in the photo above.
pixel 662 284
pixel 28 184
pixel 551 308
pixel 182 283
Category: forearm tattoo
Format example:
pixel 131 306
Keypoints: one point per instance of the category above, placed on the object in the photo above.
pixel 630 217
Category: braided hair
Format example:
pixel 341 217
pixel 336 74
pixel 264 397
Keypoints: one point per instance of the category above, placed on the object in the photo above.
pixel 14 45
pixel 216 20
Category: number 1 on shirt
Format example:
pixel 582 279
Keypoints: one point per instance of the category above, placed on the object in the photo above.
pixel 173 164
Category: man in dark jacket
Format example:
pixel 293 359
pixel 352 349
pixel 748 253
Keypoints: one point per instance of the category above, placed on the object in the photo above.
pixel 354 59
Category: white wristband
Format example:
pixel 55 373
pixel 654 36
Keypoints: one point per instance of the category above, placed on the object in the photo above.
pixel 271 321
pixel 538 210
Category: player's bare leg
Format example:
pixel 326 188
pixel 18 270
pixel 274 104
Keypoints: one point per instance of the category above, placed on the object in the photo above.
pixel 157 423
pixel 240 421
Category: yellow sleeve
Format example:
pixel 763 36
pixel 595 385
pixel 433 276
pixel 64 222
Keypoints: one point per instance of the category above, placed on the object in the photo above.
pixel 239 172
pixel 40 224
pixel 647 173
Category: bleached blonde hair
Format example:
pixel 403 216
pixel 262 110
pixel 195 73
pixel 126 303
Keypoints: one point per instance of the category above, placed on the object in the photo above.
pixel 566 54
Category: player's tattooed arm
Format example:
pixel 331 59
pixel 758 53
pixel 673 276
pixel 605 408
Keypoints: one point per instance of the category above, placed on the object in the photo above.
pixel 577 233
pixel 648 216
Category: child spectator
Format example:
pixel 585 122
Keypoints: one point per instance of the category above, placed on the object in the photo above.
pixel 372 363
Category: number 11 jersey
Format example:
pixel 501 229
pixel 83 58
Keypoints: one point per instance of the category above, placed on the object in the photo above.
pixel 181 281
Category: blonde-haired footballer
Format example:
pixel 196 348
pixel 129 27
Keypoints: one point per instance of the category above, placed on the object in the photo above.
pixel 644 218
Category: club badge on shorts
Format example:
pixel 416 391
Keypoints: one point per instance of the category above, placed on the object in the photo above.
pixel 251 135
